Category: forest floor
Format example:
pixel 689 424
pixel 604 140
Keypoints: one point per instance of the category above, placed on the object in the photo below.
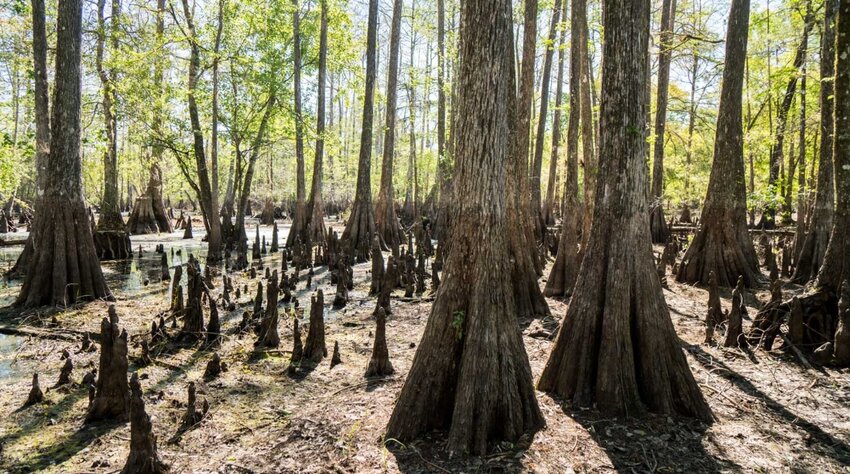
pixel 773 414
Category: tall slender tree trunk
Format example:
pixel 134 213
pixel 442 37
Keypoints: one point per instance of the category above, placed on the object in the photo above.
pixel 537 163
pixel 776 152
pixel 64 267
pixel 204 188
pixel 549 206
pixel 617 348
pixel 588 131
pixel 42 127
pixel 148 215
pixel 438 195
pixel 657 224
pixel 562 277
pixel 298 231
pixel 722 243
pixel 386 219
pixel 527 213
pixel 810 257
pixel 111 239
pixel 361 223
pixel 315 206
pixel 470 374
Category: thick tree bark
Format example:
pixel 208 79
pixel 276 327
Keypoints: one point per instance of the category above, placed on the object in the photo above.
pixel 386 219
pixel 64 266
pixel 470 374
pixel 722 243
pixel 657 224
pixel 298 231
pixel 361 223
pixel 537 162
pixel 836 261
pixel 811 255
pixel 316 206
pixel 617 348
pixel 549 205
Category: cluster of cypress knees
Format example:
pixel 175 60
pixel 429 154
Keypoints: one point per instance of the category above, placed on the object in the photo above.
pixel 818 329
pixel 112 396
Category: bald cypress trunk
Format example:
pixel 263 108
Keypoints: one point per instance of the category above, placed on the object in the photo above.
pixel 470 374
pixel 617 348
pixel 563 274
pixel 657 224
pixel 524 226
pixel 722 243
pixel 537 163
pixel 207 194
pixel 64 267
pixel 315 206
pixel 112 241
pixel 549 205
pixel 299 219
pixel 42 125
pixel 811 255
pixel 361 223
pixel 386 219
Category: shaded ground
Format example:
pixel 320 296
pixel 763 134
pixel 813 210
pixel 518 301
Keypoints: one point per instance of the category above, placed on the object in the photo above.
pixel 773 414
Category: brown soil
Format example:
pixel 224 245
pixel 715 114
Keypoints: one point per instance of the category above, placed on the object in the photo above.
pixel 774 415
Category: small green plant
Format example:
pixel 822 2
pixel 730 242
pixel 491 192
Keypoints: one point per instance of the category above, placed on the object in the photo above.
pixel 457 323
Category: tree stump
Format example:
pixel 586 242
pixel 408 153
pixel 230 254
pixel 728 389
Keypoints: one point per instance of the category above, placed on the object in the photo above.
pixel 214 367
pixel 65 373
pixel 193 415
pixel 187 233
pixel 274 247
pixel 341 296
pixel 166 274
pixel 268 335
pixel 379 364
pixel 377 266
pixel 112 394
pixel 767 322
pixel 734 327
pixel 314 347
pixel 297 348
pixel 213 326
pixel 715 312
pixel 841 349
pixel 335 358
pixel 193 321
pixel 143 457
pixel 35 395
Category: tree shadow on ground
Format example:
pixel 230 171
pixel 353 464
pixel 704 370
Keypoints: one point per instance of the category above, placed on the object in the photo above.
pixel 58 452
pixel 431 455
pixel 652 443
pixel 816 438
